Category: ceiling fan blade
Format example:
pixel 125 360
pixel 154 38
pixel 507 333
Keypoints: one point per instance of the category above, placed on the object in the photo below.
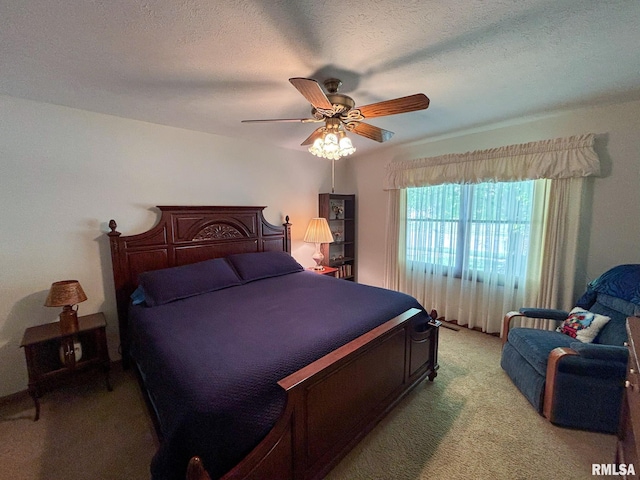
pixel 312 91
pixel 296 120
pixel 311 138
pixel 374 133
pixel 419 101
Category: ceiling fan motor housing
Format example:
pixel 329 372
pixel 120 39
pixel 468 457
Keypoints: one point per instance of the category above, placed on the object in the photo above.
pixel 341 103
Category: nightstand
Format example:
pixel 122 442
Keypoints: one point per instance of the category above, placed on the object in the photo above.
pixel 327 271
pixel 51 355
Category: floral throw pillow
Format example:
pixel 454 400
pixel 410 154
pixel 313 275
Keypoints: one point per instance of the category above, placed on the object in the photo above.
pixel 583 325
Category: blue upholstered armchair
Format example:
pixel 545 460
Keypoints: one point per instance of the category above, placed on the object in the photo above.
pixel 575 378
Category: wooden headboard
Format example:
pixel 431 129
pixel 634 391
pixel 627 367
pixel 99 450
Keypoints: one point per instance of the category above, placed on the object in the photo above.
pixel 187 235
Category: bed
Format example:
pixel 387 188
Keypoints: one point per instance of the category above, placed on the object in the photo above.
pixel 252 364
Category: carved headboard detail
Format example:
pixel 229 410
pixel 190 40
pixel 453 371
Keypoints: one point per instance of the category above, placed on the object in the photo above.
pixel 186 235
pixel 217 231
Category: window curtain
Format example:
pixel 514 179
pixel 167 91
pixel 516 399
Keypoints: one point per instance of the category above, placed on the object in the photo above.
pixel 560 165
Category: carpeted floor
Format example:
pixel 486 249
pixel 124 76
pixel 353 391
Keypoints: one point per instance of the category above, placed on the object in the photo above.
pixel 84 432
pixel 470 422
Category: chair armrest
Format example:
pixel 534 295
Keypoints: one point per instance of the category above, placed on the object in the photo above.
pixel 506 324
pixel 597 361
pixel 527 312
pixel 552 313
pixel 555 356
pixel 601 352
pixel 598 365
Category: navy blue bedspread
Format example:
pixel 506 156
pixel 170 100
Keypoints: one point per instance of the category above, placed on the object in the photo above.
pixel 211 362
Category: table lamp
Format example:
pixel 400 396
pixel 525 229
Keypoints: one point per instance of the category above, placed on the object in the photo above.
pixel 66 294
pixel 318 232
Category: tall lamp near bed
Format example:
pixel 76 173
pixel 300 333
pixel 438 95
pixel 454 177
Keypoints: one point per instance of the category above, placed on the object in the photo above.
pixel 318 232
pixel 267 390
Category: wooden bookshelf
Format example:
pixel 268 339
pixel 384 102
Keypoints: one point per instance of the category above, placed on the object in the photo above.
pixel 340 212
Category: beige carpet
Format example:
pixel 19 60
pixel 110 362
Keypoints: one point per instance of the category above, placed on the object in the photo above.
pixel 84 432
pixel 470 423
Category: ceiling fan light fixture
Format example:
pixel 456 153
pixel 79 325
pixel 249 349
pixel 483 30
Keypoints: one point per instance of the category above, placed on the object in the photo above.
pixel 332 146
pixel 331 142
pixel 346 147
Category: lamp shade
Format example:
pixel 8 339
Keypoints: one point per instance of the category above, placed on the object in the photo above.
pixel 66 292
pixel 318 231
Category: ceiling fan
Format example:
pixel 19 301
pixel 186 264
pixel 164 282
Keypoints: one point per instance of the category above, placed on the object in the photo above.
pixel 338 111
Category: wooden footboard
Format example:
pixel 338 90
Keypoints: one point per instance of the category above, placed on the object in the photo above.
pixel 335 401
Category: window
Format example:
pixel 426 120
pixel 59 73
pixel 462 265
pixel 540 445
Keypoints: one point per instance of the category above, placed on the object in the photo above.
pixel 470 230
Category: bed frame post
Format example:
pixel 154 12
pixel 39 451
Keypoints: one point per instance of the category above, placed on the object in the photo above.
pixel 287 235
pixel 118 280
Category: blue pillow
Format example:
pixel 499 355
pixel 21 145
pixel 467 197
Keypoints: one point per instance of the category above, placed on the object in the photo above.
pixel 259 265
pixel 169 284
pixel 137 297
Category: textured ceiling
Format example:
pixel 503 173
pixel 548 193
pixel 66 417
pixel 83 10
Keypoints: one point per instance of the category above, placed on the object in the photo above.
pixel 205 65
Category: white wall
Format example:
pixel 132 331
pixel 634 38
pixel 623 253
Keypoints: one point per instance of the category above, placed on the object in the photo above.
pixel 65 173
pixel 612 211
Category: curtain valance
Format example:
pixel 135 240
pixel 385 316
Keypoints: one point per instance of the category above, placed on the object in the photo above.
pixel 557 158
